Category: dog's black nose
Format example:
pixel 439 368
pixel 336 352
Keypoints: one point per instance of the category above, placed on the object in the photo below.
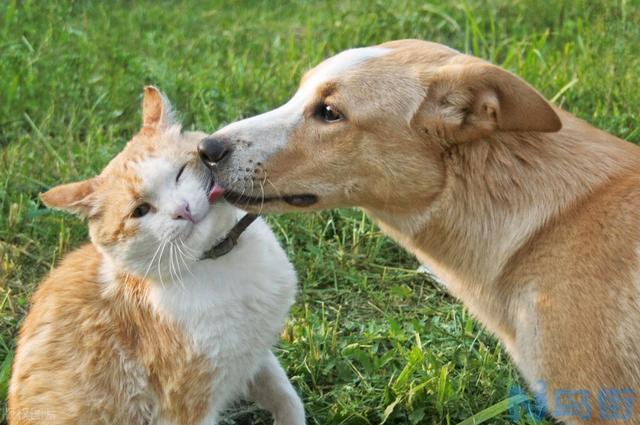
pixel 213 150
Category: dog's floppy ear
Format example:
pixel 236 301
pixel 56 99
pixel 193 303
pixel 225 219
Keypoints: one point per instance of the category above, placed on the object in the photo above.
pixel 78 198
pixel 476 99
pixel 157 113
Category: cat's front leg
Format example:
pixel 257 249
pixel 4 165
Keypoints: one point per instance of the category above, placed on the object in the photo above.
pixel 271 389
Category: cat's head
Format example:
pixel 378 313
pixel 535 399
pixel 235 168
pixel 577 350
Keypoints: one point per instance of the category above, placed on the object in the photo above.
pixel 149 208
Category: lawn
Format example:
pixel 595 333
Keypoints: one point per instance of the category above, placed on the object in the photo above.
pixel 369 341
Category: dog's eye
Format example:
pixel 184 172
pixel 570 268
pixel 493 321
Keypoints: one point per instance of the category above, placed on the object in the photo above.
pixel 329 113
pixel 141 210
pixel 180 172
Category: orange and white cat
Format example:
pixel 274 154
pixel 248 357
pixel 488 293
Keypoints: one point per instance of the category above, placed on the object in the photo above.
pixel 133 328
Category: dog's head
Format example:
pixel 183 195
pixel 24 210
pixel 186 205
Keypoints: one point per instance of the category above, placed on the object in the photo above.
pixel 369 127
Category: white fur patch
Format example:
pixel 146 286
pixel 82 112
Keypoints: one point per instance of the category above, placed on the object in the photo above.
pixel 233 308
pixel 272 128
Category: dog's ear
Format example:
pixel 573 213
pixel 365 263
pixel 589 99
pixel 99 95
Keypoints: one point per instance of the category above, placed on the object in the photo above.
pixel 474 100
pixel 78 198
pixel 157 113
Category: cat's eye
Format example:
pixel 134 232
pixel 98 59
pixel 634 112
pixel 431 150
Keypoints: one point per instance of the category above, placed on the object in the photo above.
pixel 141 210
pixel 180 172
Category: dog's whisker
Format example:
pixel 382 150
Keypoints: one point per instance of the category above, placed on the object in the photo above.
pixel 261 198
pixel 268 180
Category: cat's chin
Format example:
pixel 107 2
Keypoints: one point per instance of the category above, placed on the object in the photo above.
pixel 214 227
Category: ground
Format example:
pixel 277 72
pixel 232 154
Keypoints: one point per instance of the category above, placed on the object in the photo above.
pixel 369 341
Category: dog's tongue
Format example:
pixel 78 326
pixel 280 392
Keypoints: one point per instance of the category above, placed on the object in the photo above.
pixel 215 193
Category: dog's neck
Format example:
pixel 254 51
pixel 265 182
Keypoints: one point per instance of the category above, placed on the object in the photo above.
pixel 498 194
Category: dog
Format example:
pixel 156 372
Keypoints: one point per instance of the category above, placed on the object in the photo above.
pixel 529 215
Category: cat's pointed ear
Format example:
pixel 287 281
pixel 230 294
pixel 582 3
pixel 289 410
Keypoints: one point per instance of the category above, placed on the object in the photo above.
pixel 78 198
pixel 479 98
pixel 157 113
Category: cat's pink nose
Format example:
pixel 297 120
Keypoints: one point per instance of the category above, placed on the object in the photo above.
pixel 183 213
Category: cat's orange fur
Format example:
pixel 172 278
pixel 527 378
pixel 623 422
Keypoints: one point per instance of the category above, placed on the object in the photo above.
pixel 87 326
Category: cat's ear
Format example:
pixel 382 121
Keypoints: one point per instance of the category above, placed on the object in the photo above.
pixel 157 113
pixel 78 198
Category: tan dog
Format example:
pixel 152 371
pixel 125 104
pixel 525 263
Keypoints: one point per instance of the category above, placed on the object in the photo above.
pixel 529 215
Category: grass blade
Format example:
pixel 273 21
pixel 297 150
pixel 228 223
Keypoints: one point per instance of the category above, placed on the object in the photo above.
pixel 5 375
pixel 495 410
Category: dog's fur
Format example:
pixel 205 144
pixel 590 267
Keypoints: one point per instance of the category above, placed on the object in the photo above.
pixel 528 214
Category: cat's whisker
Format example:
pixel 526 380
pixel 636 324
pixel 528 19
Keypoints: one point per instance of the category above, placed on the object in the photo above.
pixel 192 253
pixel 177 266
pixel 169 262
pixel 146 273
pixel 183 256
pixel 183 253
pixel 189 253
pixel 164 244
pixel 175 276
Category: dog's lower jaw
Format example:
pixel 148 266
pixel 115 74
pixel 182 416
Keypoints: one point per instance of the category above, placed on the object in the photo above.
pixel 300 200
pixel 250 201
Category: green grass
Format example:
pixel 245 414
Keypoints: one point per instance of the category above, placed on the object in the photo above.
pixel 369 340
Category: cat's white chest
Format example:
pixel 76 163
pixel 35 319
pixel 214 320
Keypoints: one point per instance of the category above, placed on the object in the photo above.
pixel 233 309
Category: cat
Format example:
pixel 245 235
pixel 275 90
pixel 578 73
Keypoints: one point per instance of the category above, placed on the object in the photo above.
pixel 133 328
